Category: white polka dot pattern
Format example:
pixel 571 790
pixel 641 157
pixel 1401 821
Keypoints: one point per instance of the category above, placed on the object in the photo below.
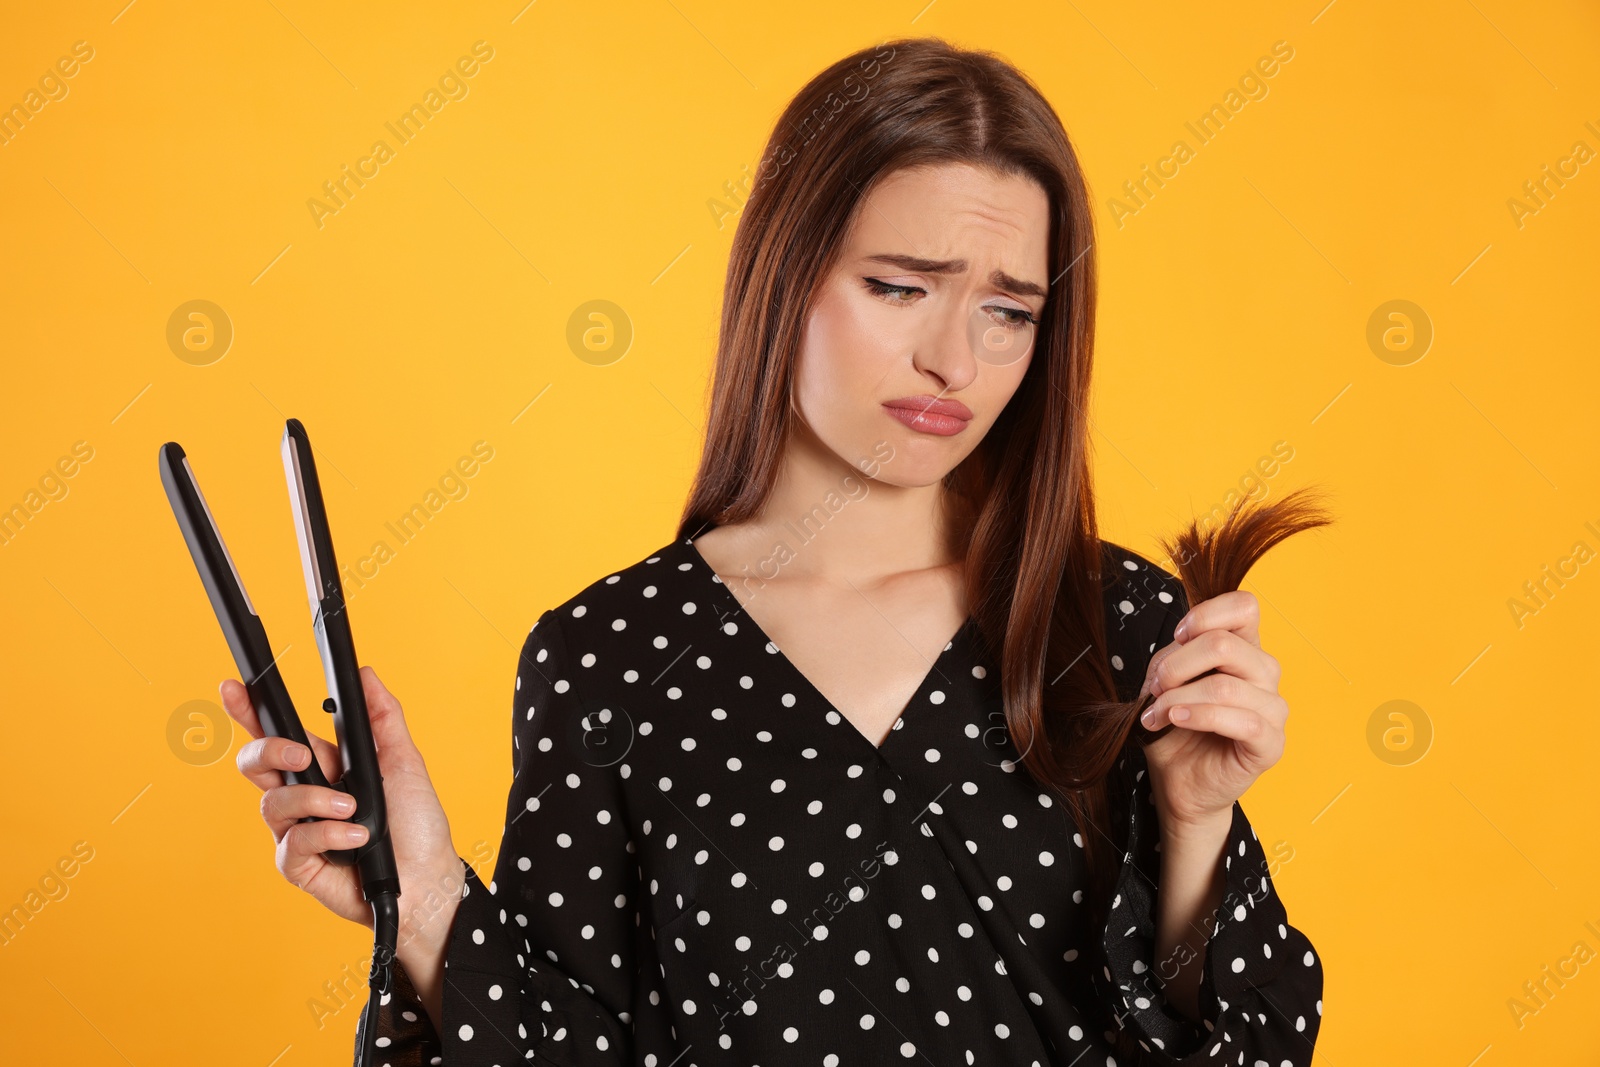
pixel 703 862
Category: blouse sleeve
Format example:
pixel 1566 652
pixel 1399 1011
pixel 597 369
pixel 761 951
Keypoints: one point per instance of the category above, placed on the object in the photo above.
pixel 405 1036
pixel 541 960
pixel 1260 994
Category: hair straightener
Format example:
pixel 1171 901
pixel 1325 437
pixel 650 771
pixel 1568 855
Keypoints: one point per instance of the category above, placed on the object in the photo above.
pixel 374 859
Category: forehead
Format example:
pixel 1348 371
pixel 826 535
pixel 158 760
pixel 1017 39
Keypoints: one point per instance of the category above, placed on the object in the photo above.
pixel 950 210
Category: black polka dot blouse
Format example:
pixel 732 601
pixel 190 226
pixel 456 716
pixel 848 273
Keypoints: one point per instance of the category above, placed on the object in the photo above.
pixel 704 863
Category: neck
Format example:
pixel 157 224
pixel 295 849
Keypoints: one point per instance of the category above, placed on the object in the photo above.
pixel 829 522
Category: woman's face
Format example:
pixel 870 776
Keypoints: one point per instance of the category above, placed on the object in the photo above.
pixel 921 333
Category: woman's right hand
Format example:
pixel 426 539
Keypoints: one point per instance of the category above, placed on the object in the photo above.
pixel 427 861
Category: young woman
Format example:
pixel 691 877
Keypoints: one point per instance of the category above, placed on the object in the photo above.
pixel 796 789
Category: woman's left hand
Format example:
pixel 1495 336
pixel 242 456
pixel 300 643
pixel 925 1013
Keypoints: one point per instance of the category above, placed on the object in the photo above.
pixel 1229 726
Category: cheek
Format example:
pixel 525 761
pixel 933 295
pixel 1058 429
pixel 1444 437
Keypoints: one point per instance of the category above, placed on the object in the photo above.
pixel 998 386
pixel 847 353
pixel 1019 372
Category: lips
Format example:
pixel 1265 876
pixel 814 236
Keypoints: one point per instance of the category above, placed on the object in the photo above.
pixel 932 405
pixel 928 414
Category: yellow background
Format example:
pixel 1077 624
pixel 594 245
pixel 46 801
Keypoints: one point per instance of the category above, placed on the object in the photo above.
pixel 430 311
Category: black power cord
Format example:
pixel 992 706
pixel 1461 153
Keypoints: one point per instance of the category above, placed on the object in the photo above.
pixel 380 979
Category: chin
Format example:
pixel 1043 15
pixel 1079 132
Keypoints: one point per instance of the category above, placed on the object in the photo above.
pixel 907 473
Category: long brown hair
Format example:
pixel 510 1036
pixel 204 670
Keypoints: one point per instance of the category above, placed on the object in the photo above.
pixel 1024 518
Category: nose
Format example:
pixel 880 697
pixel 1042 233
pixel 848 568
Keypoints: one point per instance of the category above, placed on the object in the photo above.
pixel 944 351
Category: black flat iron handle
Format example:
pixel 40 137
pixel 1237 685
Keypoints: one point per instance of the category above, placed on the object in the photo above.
pixel 358 754
pixel 241 626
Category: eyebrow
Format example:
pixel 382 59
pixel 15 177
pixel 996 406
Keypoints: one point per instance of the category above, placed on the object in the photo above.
pixel 1000 278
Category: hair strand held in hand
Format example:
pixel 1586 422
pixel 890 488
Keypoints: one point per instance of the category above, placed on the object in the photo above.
pixel 1209 563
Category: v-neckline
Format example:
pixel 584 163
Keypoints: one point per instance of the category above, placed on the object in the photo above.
pixel 805 682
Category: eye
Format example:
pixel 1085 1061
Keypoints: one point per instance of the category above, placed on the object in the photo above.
pixel 891 293
pixel 1010 317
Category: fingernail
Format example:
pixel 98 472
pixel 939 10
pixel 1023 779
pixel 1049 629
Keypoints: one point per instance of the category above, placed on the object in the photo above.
pixel 1178 714
pixel 297 754
pixel 1181 631
pixel 344 805
pixel 1155 687
pixel 355 833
